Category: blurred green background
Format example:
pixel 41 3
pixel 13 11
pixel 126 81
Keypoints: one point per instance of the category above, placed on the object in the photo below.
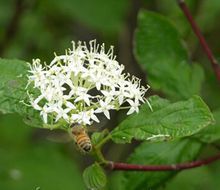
pixel 30 158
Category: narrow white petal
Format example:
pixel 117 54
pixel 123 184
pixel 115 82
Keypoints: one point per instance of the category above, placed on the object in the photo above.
pixel 130 111
pixel 120 99
pixel 45 117
pixel 86 99
pixel 70 105
pixel 107 114
pixel 131 102
pixel 95 118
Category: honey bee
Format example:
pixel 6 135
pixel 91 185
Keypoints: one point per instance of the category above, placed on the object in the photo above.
pixel 81 138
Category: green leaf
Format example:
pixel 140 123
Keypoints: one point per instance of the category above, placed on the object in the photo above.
pixel 211 133
pixel 160 51
pixel 12 85
pixel 13 81
pixel 155 154
pixel 94 177
pixel 167 121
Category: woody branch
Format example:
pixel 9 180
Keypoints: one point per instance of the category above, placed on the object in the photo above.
pixel 203 43
pixel 173 167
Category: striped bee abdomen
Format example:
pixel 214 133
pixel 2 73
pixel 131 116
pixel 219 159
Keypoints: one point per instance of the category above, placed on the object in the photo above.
pixel 84 143
pixel 81 138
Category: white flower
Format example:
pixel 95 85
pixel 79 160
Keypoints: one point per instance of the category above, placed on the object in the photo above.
pixel 92 115
pixel 84 117
pixel 82 95
pixel 84 82
pixel 62 113
pixel 45 111
pixel 75 65
pixel 70 105
pixel 37 73
pixel 134 106
pixel 105 106
pixel 109 95
pixel 35 102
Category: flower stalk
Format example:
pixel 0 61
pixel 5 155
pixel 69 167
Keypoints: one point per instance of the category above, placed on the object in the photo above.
pixel 103 141
pixel 99 156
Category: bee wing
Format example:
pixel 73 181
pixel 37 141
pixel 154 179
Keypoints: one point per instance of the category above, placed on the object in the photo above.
pixel 59 137
pixel 98 126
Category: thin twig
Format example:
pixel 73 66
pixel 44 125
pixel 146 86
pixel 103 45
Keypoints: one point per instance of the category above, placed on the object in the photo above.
pixel 203 43
pixel 12 26
pixel 173 167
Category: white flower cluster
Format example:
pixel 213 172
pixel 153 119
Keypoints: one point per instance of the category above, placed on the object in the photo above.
pixel 75 87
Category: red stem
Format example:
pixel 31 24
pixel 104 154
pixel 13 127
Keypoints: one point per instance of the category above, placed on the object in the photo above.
pixel 202 40
pixel 181 166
